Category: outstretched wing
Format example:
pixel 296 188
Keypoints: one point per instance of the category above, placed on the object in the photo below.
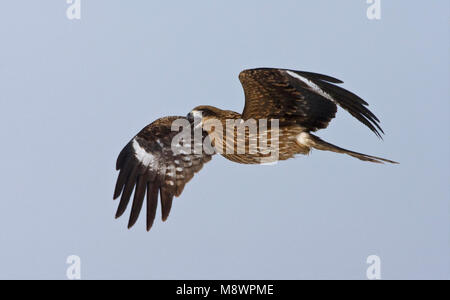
pixel 307 99
pixel 154 163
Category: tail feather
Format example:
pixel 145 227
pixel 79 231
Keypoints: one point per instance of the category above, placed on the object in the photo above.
pixel 317 143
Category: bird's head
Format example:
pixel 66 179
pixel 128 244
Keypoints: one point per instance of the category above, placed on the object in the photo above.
pixel 200 114
pixel 204 111
pixel 206 114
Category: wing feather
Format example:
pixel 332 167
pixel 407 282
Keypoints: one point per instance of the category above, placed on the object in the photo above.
pixel 138 200
pixel 307 99
pixel 152 203
pixel 166 202
pixel 127 191
pixel 149 165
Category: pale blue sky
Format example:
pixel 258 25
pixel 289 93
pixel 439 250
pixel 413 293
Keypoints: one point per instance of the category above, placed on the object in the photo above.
pixel 74 92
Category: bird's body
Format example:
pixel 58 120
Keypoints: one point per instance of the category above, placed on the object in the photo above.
pixel 283 140
pixel 282 109
pixel 286 146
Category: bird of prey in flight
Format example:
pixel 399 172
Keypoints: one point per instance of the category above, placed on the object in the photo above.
pixel 300 102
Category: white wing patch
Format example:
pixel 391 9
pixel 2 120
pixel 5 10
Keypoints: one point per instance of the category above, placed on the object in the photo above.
pixel 147 159
pixel 312 85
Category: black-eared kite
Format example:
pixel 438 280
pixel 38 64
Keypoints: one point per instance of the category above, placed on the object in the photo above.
pixel 153 163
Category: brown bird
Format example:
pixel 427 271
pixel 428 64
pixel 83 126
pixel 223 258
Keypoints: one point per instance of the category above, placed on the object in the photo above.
pixel 282 108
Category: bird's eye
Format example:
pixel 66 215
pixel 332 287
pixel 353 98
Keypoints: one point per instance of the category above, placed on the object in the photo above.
pixel 190 117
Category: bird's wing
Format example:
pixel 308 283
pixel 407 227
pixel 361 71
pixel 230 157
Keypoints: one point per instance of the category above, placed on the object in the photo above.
pixel 304 98
pixel 155 162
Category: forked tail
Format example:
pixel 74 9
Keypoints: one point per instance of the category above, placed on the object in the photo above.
pixel 317 143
